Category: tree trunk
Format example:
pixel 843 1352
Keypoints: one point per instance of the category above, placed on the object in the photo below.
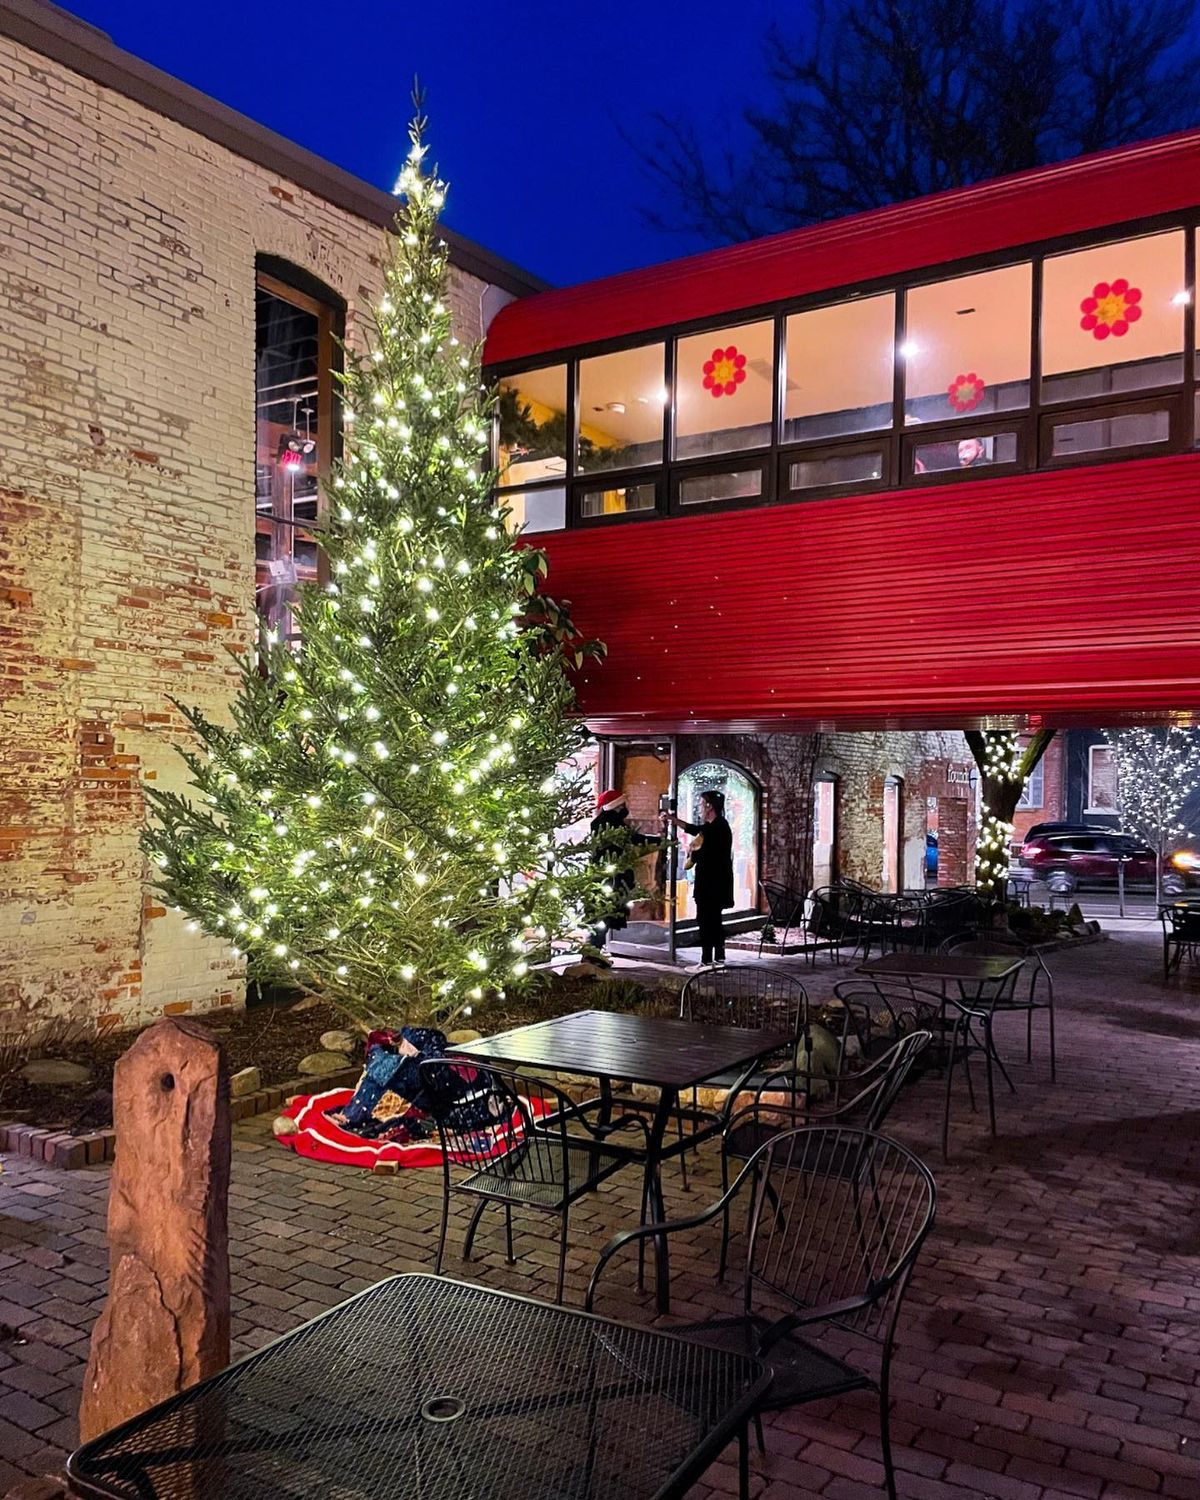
pixel 1003 769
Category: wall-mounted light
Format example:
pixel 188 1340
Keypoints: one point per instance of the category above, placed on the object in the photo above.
pixel 909 349
pixel 1181 299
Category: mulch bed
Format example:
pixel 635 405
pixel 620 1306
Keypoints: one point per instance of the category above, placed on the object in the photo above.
pixel 274 1037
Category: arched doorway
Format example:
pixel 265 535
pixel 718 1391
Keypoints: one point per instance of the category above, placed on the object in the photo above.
pixel 741 810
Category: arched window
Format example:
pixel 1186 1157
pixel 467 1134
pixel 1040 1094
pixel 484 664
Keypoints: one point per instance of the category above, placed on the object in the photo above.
pixel 298 322
pixel 742 812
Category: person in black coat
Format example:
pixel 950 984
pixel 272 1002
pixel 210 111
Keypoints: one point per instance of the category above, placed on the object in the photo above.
pixel 712 859
pixel 612 834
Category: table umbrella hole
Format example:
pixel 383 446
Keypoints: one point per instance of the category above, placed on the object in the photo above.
pixel 442 1409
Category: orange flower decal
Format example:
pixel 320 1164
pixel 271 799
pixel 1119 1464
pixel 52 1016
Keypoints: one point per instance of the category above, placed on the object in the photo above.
pixel 965 392
pixel 1111 308
pixel 725 371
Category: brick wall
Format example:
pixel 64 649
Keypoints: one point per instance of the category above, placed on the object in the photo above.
pixel 929 765
pixel 127 256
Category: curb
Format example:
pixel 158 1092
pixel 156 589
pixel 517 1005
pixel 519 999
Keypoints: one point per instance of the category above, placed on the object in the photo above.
pixel 58 1148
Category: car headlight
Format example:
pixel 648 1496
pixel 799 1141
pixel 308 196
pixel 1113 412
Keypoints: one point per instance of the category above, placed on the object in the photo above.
pixel 1186 859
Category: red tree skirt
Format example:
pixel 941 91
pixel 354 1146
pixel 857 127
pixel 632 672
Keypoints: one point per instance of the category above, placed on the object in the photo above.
pixel 318 1138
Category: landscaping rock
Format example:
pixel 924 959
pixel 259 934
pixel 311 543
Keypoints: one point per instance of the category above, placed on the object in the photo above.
pixel 247 1081
pixel 337 1041
pixel 461 1038
pixel 56 1070
pixel 317 1064
pixel 586 971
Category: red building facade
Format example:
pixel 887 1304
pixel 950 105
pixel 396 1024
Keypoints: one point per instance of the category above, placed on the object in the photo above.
pixel 924 469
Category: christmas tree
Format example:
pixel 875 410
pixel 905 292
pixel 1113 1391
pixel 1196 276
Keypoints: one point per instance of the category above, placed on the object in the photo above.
pixel 378 823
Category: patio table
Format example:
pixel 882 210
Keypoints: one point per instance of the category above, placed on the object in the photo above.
pixel 424 1388
pixel 663 1053
pixel 963 969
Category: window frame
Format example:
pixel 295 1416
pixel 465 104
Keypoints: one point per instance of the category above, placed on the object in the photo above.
pixel 919 437
pixel 1064 416
pixel 1107 812
pixel 300 289
pixel 1029 422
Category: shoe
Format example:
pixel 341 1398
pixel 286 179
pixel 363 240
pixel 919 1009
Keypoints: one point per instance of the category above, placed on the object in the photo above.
pixel 719 964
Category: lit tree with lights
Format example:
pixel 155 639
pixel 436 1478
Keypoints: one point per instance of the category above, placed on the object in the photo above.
pixel 1158 767
pixel 377 823
pixel 1004 767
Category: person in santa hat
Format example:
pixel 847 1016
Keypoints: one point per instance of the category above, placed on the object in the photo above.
pixel 612 835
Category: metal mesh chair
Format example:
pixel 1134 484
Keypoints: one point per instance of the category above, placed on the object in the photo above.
pixel 881 1011
pixel 874 1090
pixel 838 1219
pixel 1181 937
pixel 512 1136
pixel 755 997
pixel 1039 994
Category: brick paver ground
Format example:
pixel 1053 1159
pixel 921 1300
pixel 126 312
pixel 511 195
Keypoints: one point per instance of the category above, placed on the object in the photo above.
pixel 1049 1348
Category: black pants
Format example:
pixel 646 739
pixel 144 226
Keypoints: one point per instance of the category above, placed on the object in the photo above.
pixel 712 934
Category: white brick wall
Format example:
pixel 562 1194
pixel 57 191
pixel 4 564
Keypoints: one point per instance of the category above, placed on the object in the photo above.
pixel 127 255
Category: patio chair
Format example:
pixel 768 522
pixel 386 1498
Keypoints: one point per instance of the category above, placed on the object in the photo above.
pixel 516 1149
pixel 851 1212
pixel 876 1089
pixel 834 913
pixel 1038 996
pixel 785 910
pixel 881 1011
pixel 755 997
pixel 1181 937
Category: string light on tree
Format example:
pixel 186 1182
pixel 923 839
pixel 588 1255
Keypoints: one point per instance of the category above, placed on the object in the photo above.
pixel 450 735
pixel 1158 768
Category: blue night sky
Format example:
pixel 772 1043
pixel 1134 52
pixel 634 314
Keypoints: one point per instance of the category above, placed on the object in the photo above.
pixel 526 102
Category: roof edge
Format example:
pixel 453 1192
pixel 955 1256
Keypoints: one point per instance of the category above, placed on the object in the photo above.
pixel 85 49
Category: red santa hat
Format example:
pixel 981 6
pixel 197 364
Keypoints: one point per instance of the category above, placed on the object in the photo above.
pixel 609 801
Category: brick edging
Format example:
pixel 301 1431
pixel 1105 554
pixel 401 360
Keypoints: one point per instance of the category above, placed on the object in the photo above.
pixel 58 1148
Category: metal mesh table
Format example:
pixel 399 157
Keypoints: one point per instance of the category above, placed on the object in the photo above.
pixel 428 1389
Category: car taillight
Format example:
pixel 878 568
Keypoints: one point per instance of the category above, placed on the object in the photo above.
pixel 1029 850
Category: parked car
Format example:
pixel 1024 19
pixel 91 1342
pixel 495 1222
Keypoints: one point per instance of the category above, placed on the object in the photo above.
pixel 1069 858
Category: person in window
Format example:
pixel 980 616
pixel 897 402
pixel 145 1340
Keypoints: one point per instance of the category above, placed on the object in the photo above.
pixel 972 452
pixel 711 857
pixel 612 836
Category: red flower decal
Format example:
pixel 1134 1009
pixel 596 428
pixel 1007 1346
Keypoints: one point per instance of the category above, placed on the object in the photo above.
pixel 965 392
pixel 725 371
pixel 1111 308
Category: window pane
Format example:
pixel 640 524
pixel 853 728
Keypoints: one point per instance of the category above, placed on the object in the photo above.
pixel 288 357
pixel 837 468
pixel 620 501
pixel 840 369
pixel 965 453
pixel 621 400
pixel 1102 780
pixel 1134 429
pixel 1112 318
pixel 724 390
pixel 705 489
pixel 966 347
pixel 533 426
pixel 536 510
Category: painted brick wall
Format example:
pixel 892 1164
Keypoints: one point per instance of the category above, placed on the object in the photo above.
pixel 127 250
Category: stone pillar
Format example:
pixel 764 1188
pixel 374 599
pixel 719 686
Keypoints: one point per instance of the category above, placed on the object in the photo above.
pixel 166 1322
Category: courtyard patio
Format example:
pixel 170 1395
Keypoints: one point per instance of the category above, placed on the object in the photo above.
pixel 1048 1347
